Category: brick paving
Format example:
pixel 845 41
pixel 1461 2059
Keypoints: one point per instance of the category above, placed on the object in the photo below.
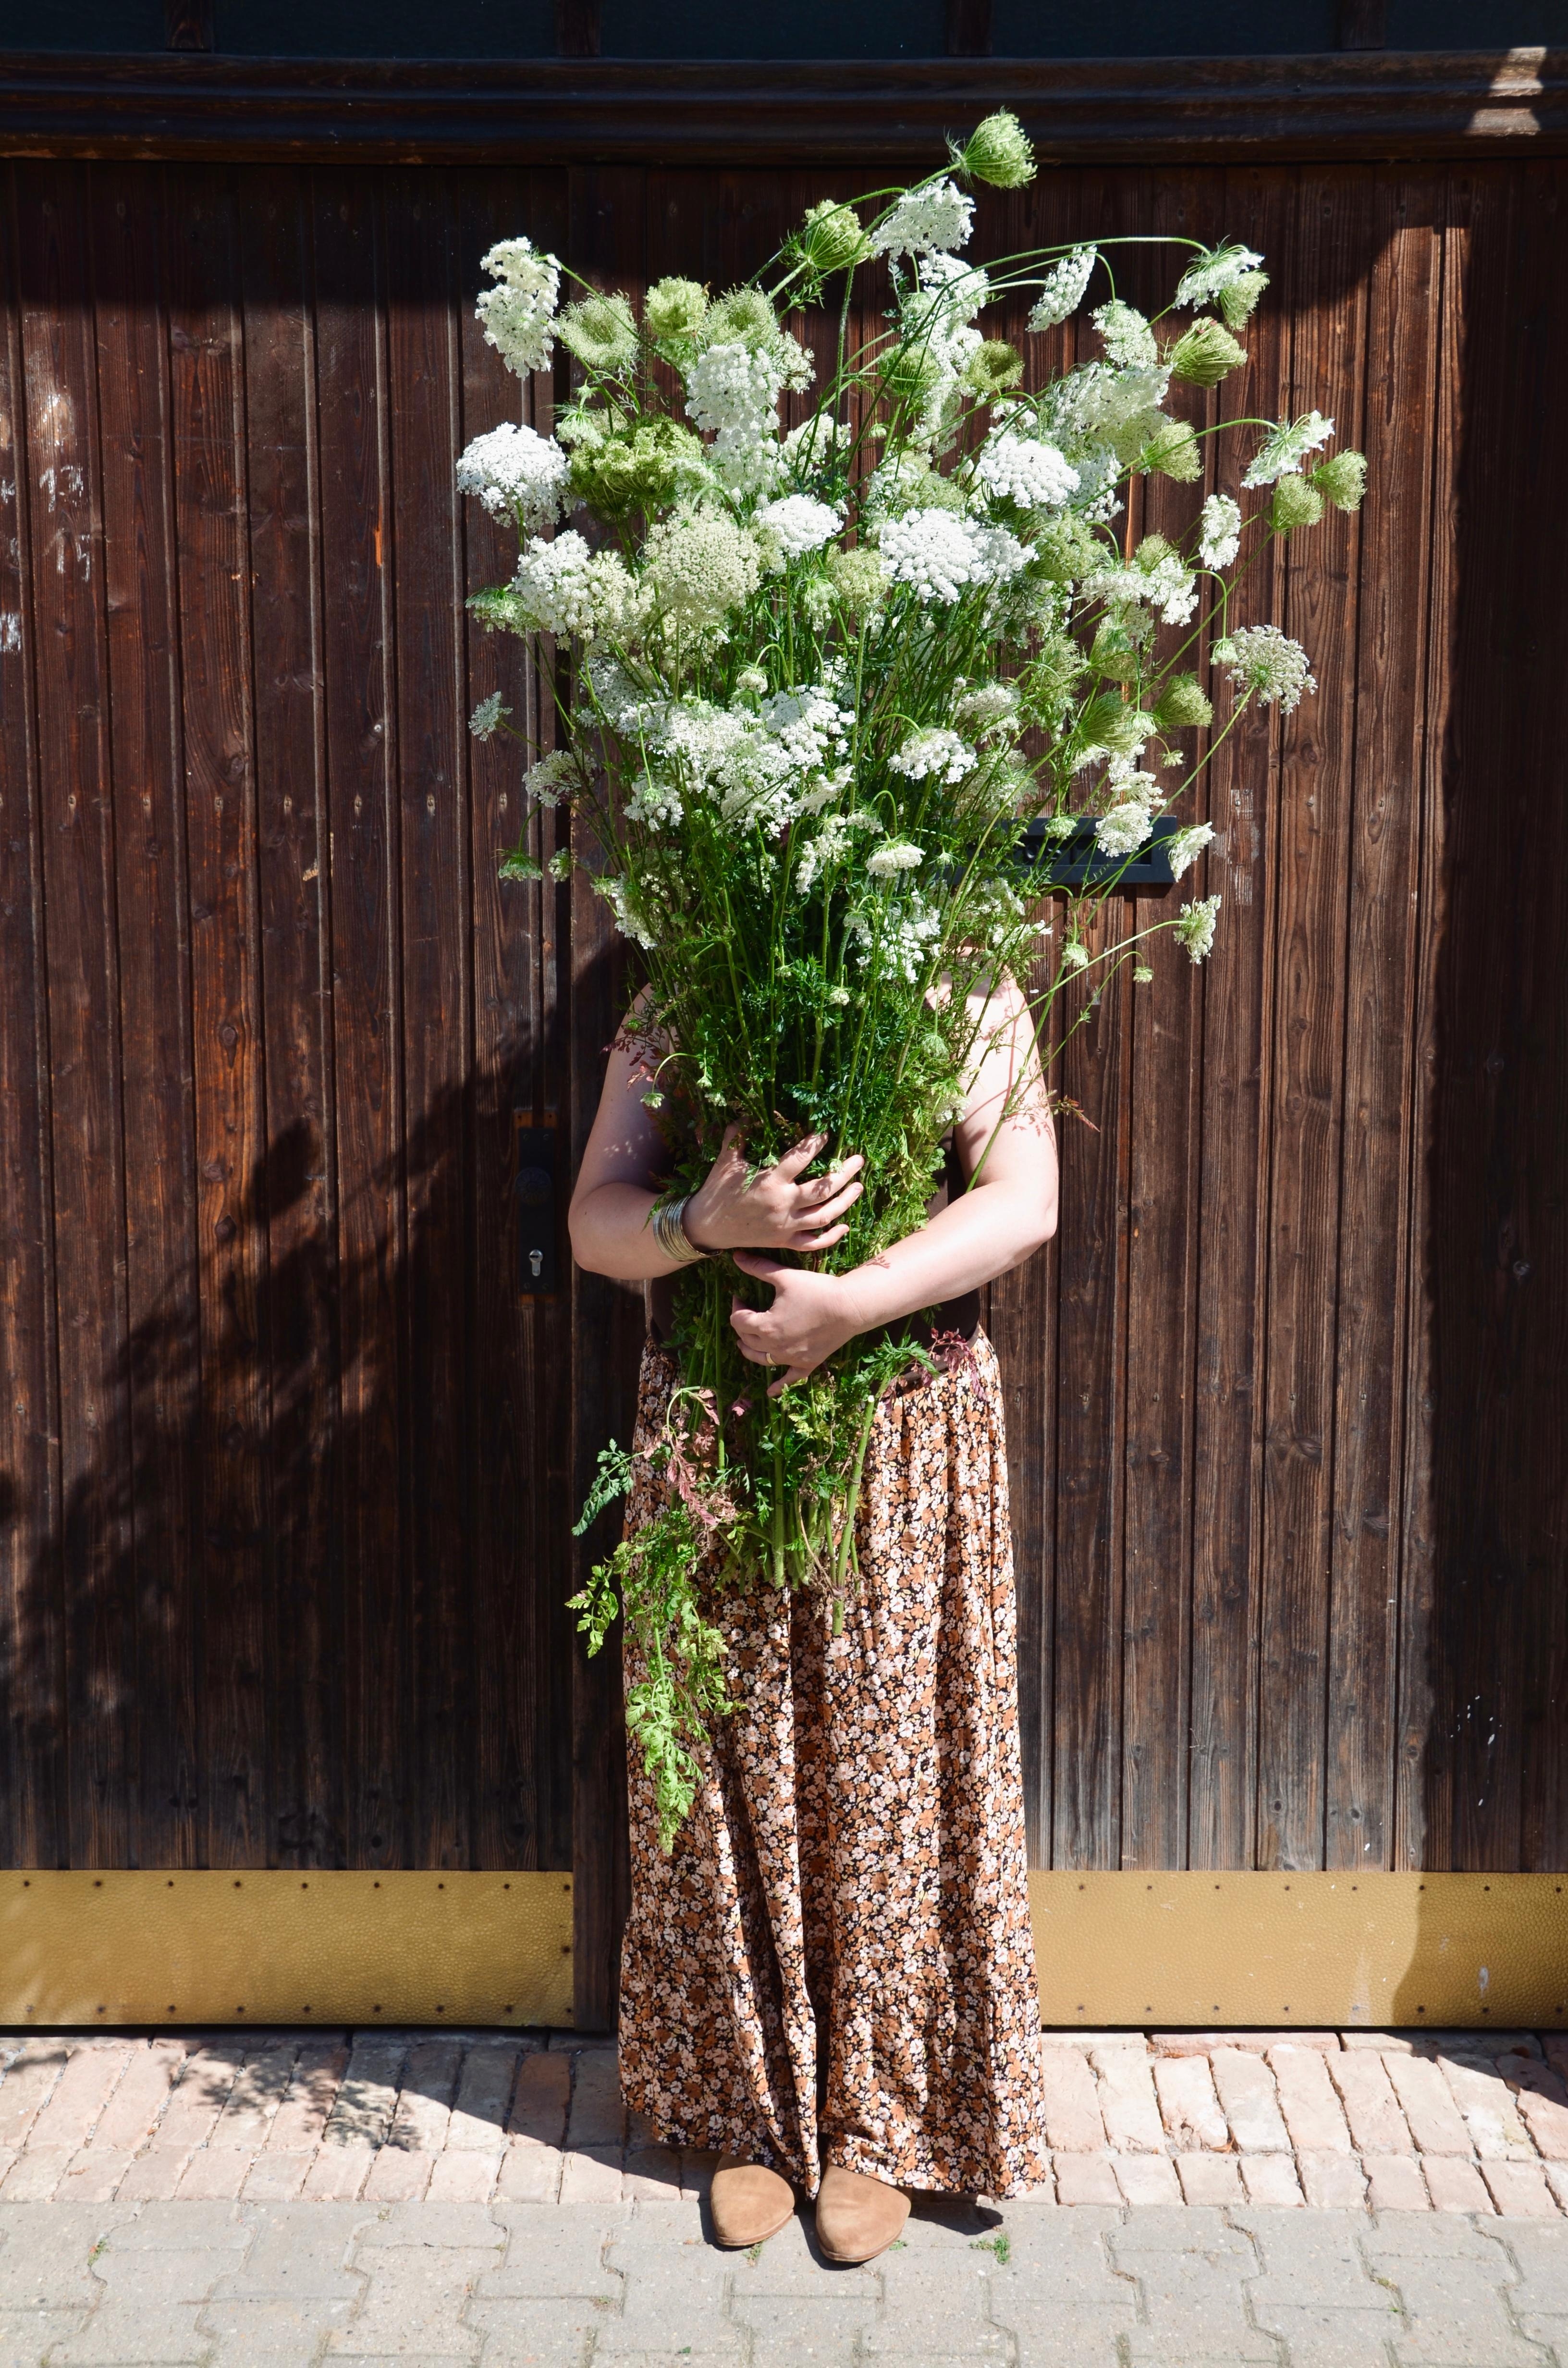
pixel 1315 2199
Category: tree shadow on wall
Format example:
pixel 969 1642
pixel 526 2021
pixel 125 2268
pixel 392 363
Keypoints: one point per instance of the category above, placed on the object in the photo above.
pixel 303 1604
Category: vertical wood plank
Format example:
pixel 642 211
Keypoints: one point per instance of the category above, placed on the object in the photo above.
pixel 366 996
pixel 65 537
pixel 282 478
pixel 1319 296
pixel 206 388
pixel 1404 216
pixel 33 1813
pixel 164 1353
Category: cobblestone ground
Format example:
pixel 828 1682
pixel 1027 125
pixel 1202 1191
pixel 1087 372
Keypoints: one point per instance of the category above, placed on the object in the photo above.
pixel 1318 2200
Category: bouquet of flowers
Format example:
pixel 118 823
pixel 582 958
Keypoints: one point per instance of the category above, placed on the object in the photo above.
pixel 812 688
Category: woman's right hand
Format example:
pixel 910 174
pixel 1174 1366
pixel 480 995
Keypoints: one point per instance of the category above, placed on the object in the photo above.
pixel 769 1208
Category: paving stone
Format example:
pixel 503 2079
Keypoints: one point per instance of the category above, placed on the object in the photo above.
pixel 27 2337
pixel 94 2176
pixel 1455 2186
pixel 432 2226
pixel 1309 2257
pixel 1210 2178
pixel 152 2178
pixel 1331 2181
pixel 1203 2042
pixel 1245 2087
pixel 653 2172
pixel 530 2173
pixel 787 2264
pixel 287 2332
pixel 309 2099
pixel 1455 2313
pixel 1543 2107
pixel 534 2334
pixel 1540 2252
pixel 1309 2101
pixel 1370 2106
pixel 367 2097
pixel 41 2270
pixel 597 2116
pixel 1128 2104
pixel 122 2334
pixel 424 2100
pixel 540 2100
pixel 1189 2105
pixel 1402 2238
pixel 397 2175
pixel 1490 2112
pixel 141 2097
pixel 1519 2190
pixel 162 2274
pixel 1434 2120
pixel 1072 2124
pixel 1193 2298
pixel 1147 2178
pixel 199 2097
pixel 698 2165
pixel 36 2172
pixel 1086 2179
pixel 1394 2183
pixel 935 2305
pixel 555 2250
pixel 484 2092
pixel 30 2078
pixel 1557 2180
pixel 79 2096
pixel 252 2103
pixel 463 2175
pixel 1271 2179
pixel 591 2176
pixel 1382 2043
pixel 788 2330
pixel 1314 2338
pixel 215 2170
pixel 274 2177
pixel 414 2301
pixel 669 2283
pixel 338 2172
pixel 299 2254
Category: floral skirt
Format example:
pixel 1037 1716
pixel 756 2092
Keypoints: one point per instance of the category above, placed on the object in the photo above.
pixel 836 1964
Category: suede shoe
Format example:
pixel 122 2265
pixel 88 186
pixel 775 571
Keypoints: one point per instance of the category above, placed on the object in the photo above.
pixel 748 2202
pixel 858 2217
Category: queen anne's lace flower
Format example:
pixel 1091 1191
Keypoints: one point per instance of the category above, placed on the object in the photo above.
pixel 701 567
pixel 516 474
pixel 567 589
pixel 485 721
pixel 936 755
pixel 554 779
pixel 1219 530
pixel 1128 339
pixel 1062 291
pixel 519 314
pixel 1195 927
pixel 898 855
pixel 1026 470
pixel 1263 660
pixel 630 918
pixel 940 554
pixel 799 523
pixel 732 395
pixel 1212 270
pixel 1124 829
pixel 1286 445
pixel 1167 588
pixel 987 708
pixel 1185 847
pixel 929 221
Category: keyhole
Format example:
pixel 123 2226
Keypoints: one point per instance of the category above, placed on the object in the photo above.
pixel 536 1263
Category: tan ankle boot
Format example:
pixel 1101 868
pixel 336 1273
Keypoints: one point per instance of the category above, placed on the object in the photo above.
pixel 748 2202
pixel 858 2217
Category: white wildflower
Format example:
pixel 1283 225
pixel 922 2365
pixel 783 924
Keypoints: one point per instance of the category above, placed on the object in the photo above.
pixel 1131 785
pixel 518 315
pixel 1128 339
pixel 989 707
pixel 732 395
pixel 939 553
pixel 830 846
pixel 936 755
pixel 1074 957
pixel 629 919
pixel 816 441
pixel 929 221
pixel 655 801
pixel 1167 587
pixel 485 721
pixel 1261 659
pixel 1286 445
pixel 1124 829
pixel 838 997
pixel 567 589
pixel 1062 291
pixel 1195 926
pixel 518 474
pixel 553 778
pixel 1219 530
pixel 699 568
pixel 1185 847
pixel 560 864
pixel 895 940
pixel 1026 470
pixel 1211 271
pixel 898 855
pixel 799 523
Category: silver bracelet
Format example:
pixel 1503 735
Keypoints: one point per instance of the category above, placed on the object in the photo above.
pixel 669 1232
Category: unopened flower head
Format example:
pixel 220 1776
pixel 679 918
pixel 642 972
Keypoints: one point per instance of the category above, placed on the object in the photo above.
pixel 1061 292
pixel 1211 269
pixel 567 589
pixel 1195 926
pixel 675 310
pixel 1024 469
pixel 1128 339
pixel 799 523
pixel 601 332
pixel 1342 479
pixel 1286 445
pixel 518 314
pixel 516 474
pixel 831 239
pixel 1206 354
pixel 1265 663
pixel 1074 957
pixel 1219 530
pixel 998 151
pixel 932 220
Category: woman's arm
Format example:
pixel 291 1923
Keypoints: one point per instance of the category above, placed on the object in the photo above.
pixel 1008 1211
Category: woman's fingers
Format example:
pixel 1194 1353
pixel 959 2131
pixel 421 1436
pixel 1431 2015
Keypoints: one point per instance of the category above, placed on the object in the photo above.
pixel 759 1263
pixel 826 1186
pixel 799 1154
pixel 814 1241
pixel 825 1212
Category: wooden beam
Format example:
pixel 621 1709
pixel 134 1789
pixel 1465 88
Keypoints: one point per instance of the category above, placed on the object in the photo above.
pixel 968 29
pixel 1363 24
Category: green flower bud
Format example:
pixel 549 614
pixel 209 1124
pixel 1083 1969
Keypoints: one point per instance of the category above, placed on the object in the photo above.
pixel 1238 302
pixel 857 578
pixel 1183 705
pixel 1172 452
pixel 675 309
pixel 743 317
pixel 1295 503
pixel 601 332
pixel 908 376
pixel 998 151
pixel 1342 479
pixel 993 369
pixel 1205 354
pixel 515 865
pixel 1112 721
pixel 1113 654
pixel 619 474
pixel 831 239
pixel 499 611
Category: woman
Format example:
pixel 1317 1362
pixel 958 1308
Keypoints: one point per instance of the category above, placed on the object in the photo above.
pixel 831 1980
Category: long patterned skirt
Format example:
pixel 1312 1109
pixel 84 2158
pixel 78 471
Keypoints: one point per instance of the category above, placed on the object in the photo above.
pixel 836 1965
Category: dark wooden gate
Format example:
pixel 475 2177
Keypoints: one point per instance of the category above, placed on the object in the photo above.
pixel 285 1463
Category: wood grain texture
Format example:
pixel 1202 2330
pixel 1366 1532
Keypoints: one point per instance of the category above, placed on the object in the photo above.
pixel 285 1464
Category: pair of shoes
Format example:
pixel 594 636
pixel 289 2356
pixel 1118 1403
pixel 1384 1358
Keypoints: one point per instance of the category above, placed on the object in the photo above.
pixel 748 2202
pixel 858 2217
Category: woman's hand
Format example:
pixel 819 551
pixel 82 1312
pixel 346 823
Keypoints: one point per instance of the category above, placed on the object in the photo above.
pixel 810 1317
pixel 770 1209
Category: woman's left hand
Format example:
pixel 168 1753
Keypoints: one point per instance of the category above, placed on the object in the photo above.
pixel 810 1317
